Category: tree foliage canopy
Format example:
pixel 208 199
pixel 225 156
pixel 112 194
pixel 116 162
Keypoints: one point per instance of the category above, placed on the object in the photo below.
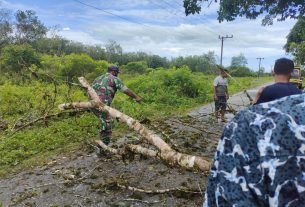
pixel 16 58
pixel 25 28
pixel 230 9
pixel 198 63
pixel 241 71
pixel 238 66
pixel 139 67
pixel 75 65
pixel 296 41
pixel 5 27
pixel 239 61
pixel 28 26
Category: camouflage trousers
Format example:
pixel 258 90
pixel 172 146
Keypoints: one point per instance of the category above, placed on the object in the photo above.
pixel 105 127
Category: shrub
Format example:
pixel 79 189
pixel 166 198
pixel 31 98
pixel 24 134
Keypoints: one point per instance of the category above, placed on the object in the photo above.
pixel 16 58
pixel 75 65
pixel 139 67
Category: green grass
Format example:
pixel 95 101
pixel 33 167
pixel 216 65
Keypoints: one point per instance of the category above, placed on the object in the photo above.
pixel 164 92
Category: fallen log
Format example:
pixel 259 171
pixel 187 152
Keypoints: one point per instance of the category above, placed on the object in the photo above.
pixel 172 157
pixel 107 148
pixel 148 134
pixel 129 147
pixel 166 152
pixel 142 150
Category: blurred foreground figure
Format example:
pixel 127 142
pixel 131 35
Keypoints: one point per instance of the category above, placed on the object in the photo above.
pixel 260 158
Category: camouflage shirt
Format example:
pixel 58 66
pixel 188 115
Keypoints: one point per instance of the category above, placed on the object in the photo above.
pixel 260 158
pixel 106 86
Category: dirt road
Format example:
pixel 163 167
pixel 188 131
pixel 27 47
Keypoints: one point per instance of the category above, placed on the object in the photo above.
pixel 84 179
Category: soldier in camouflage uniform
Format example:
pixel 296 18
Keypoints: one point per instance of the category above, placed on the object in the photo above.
pixel 106 86
pixel 260 158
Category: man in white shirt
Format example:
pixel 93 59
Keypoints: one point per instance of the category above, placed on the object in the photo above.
pixel 221 95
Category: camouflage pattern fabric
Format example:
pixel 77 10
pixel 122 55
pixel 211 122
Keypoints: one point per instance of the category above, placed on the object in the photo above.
pixel 106 125
pixel 260 158
pixel 106 86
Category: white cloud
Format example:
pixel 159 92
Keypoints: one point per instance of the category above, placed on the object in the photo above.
pixel 66 29
pixel 173 50
pixel 80 36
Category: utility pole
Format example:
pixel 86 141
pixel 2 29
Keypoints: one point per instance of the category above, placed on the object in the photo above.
pixel 222 38
pixel 259 65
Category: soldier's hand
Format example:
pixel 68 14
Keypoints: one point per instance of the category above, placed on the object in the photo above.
pixel 215 98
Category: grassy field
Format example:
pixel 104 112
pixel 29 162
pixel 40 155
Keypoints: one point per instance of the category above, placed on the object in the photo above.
pixel 165 93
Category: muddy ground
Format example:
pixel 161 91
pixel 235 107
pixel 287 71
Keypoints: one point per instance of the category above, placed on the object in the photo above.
pixel 85 179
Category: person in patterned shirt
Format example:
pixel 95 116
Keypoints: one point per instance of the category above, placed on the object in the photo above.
pixel 260 158
pixel 106 86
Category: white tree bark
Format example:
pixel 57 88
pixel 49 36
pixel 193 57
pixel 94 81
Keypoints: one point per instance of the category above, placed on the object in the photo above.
pixel 166 152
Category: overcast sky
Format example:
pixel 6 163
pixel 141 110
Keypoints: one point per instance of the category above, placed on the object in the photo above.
pixel 160 27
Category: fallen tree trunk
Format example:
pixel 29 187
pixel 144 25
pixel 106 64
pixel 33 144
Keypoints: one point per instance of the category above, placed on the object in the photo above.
pixel 153 138
pixel 166 152
pixel 172 157
pixel 107 148
pixel 129 147
pixel 142 150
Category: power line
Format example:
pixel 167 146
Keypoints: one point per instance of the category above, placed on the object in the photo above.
pixel 173 10
pixel 170 5
pixel 125 19
pixel 183 14
pixel 160 6
pixel 178 8
pixel 164 7
pixel 180 5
